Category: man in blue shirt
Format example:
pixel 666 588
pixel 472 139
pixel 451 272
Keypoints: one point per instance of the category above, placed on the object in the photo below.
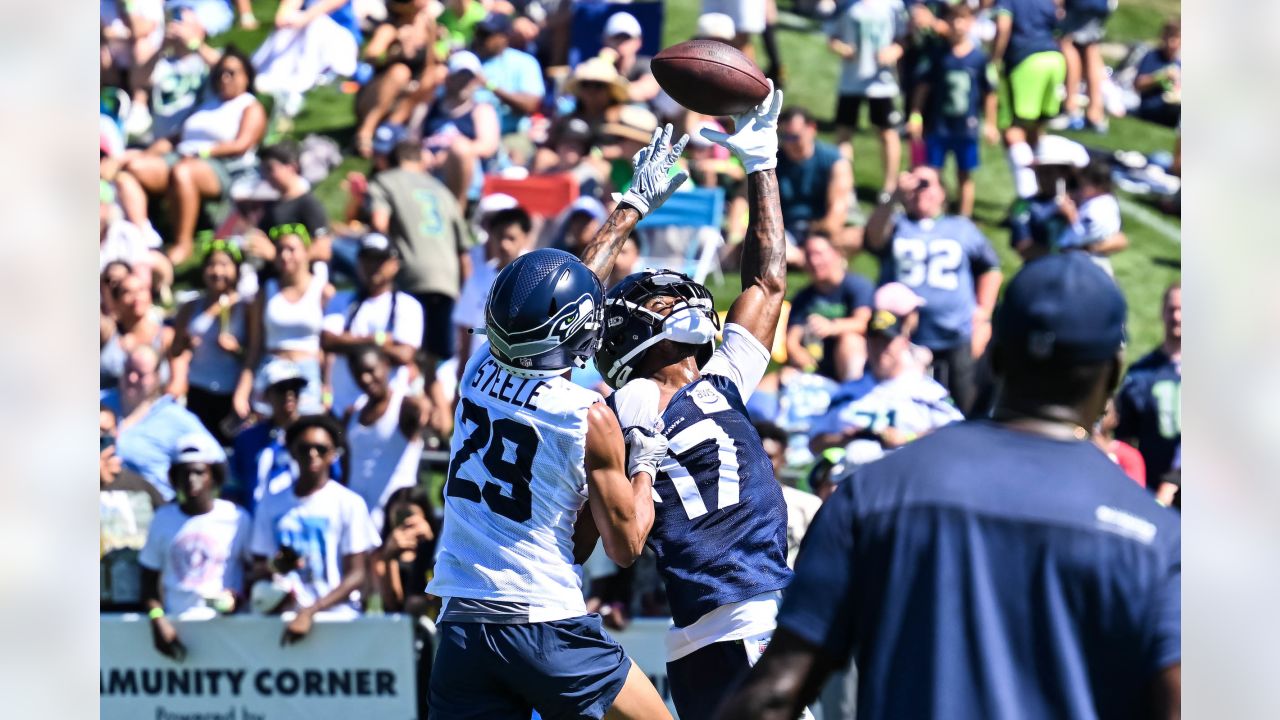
pixel 995 569
pixel 1159 80
pixel 946 260
pixel 150 423
pixel 827 327
pixel 511 76
pixel 815 183
pixel 1150 399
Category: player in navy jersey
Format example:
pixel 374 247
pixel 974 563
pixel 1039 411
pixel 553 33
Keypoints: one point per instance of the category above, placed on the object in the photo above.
pixel 995 569
pixel 720 520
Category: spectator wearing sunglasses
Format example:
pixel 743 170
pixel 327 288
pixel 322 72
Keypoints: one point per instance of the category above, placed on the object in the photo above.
pixel 946 261
pixel 210 334
pixel 816 185
pixel 318 532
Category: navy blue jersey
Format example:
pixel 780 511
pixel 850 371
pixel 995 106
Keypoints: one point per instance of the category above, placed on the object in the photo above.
pixel 957 87
pixel 720 525
pixel 1035 24
pixel 984 572
pixel 1149 406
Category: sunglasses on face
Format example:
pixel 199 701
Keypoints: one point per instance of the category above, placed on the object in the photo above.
pixel 790 137
pixel 228 72
pixel 592 85
pixel 305 449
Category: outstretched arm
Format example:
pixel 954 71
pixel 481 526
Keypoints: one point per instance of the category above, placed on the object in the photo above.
pixel 764 262
pixel 764 254
pixel 651 185
pixel 620 496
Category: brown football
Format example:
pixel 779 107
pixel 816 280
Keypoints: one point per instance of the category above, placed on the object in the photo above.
pixel 710 77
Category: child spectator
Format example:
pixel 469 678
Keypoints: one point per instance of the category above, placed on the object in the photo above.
pixel 1094 215
pixel 198 547
pixel 955 93
pixel 826 330
pixel 1038 223
pixel 865 36
pixel 318 532
pixel 1159 81
pixel 126 505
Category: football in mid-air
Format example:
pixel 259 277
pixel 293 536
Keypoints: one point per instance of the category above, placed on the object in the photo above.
pixel 710 77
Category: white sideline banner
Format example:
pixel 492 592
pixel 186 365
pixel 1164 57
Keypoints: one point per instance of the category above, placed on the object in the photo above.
pixel 235 669
pixel 646 645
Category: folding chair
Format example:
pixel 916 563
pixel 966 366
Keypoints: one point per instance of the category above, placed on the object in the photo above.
pixel 684 234
pixel 541 195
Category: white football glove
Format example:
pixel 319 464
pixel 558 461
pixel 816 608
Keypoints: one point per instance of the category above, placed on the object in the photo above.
pixel 653 183
pixel 645 451
pixel 755 137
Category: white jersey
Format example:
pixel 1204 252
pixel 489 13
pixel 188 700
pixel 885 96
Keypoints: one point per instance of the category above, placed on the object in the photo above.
pixel 912 402
pixel 517 481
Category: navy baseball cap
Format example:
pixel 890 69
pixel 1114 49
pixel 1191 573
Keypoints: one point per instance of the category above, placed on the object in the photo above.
pixel 387 136
pixel 494 23
pixel 1063 308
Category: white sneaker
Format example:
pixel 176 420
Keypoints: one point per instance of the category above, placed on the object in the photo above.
pixel 138 122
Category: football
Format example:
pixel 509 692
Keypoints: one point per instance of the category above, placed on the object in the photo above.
pixel 710 77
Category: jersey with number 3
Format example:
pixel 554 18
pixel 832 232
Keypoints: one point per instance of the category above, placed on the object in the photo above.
pixel 938 258
pixel 720 521
pixel 516 483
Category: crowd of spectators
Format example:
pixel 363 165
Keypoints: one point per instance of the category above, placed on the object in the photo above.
pixel 272 376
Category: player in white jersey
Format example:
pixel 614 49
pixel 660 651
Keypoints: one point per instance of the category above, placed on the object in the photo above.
pixel 720 527
pixel 529 451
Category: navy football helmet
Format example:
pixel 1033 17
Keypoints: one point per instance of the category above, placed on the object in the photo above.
pixel 631 329
pixel 544 314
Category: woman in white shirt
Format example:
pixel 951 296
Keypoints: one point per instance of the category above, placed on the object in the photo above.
pixel 286 319
pixel 216 145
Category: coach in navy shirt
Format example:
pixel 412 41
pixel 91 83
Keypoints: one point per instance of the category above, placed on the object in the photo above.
pixel 995 569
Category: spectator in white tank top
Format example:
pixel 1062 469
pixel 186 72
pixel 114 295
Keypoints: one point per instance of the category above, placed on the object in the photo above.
pixel 215 144
pixel 286 318
pixel 384 432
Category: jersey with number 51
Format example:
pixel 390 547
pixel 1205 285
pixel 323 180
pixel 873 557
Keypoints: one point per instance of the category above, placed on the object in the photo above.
pixel 516 483
pixel 720 521
pixel 938 258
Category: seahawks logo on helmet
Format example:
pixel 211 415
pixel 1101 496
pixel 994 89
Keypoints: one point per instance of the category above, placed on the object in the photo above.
pixel 582 314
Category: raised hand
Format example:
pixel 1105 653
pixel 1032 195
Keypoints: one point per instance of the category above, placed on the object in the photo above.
pixel 755 137
pixel 653 183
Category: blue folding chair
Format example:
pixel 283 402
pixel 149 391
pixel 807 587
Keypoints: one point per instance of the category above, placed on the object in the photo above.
pixel 684 234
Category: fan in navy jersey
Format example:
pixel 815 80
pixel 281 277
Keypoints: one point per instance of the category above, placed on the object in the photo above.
pixel 995 569
pixel 720 520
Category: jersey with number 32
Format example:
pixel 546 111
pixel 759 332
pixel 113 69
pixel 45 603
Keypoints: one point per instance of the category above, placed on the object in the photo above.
pixel 938 258
pixel 720 522
pixel 516 483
